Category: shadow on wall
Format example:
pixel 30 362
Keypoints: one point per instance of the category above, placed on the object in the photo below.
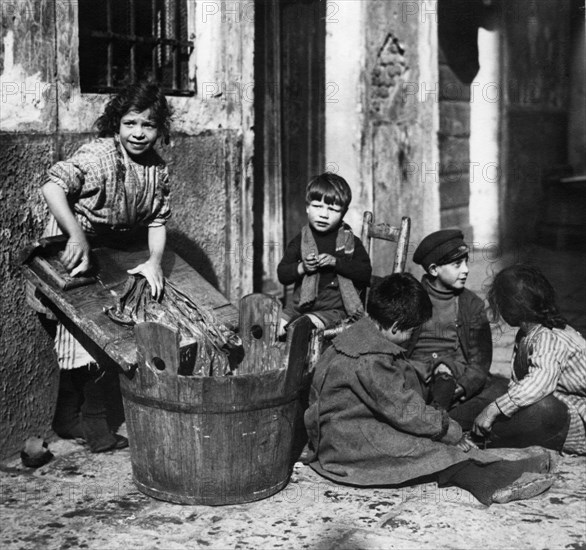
pixel 194 255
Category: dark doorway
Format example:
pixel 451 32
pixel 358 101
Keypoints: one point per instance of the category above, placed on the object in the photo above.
pixel 289 123
pixel 302 103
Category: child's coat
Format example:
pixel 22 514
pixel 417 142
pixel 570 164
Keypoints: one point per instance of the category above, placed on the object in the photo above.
pixel 367 420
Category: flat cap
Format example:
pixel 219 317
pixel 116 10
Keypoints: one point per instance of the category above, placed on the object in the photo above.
pixel 440 247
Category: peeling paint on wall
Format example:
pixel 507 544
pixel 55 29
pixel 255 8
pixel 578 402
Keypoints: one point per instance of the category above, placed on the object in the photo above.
pixel 22 96
pixel 387 77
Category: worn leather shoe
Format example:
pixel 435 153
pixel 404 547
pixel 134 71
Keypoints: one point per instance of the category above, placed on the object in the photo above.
pixel 529 485
pixel 119 442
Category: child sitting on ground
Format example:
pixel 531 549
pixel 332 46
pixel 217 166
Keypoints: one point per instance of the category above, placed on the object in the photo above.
pixel 116 188
pixel 368 423
pixel 546 400
pixel 327 264
pixel 453 350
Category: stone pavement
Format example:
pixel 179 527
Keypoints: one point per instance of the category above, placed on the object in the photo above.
pixel 81 500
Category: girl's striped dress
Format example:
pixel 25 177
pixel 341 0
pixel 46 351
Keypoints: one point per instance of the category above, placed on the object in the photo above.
pixel 549 361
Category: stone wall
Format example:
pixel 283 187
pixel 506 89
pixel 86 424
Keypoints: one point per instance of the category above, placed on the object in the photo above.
pixel 44 117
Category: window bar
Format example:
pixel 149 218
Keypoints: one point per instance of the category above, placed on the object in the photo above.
pixel 133 42
pixel 167 40
pixel 163 60
pixel 110 44
pixel 176 50
pixel 154 17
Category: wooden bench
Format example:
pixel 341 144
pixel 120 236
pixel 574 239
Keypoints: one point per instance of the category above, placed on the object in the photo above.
pixel 80 308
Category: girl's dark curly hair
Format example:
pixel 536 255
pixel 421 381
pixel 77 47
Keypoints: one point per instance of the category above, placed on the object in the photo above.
pixel 521 293
pixel 136 97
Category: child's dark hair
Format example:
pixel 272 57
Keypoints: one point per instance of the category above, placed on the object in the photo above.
pixel 399 298
pixel 521 293
pixel 136 97
pixel 330 188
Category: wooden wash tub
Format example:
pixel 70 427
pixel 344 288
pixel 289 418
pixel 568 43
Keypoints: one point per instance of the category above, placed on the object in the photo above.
pixel 216 439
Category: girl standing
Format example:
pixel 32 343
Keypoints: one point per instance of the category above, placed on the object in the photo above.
pixel 117 185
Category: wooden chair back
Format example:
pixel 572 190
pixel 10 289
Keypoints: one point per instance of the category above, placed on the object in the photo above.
pixel 386 232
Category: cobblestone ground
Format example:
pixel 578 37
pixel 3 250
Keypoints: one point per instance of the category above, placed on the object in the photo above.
pixel 81 500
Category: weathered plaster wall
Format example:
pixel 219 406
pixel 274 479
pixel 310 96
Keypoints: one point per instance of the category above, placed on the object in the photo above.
pixel 28 370
pixel 27 65
pixel 401 150
pixel 206 202
pixel 27 365
pixel 535 118
pixel 43 117
pixel 484 141
pixel 345 36
pixel 381 126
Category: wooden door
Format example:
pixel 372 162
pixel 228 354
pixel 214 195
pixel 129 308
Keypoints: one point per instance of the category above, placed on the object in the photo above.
pixel 302 104
pixel 289 124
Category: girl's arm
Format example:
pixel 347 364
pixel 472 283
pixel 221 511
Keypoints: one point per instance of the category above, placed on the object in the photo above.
pixel 76 256
pixel 151 270
pixel 547 358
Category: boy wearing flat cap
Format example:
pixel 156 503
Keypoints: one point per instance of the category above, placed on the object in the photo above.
pixel 452 352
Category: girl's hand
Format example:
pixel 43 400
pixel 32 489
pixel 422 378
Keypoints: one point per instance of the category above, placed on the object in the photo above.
pixel 484 421
pixel 76 256
pixel 153 273
pixel 325 260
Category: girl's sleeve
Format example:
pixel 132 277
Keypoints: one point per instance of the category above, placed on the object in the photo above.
pixel 71 174
pixel 163 213
pixel 547 357
pixel 386 391
pixel 358 268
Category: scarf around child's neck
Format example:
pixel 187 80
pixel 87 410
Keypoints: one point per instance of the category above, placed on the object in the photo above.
pixel 310 283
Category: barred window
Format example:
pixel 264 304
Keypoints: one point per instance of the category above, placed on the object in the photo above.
pixel 124 41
